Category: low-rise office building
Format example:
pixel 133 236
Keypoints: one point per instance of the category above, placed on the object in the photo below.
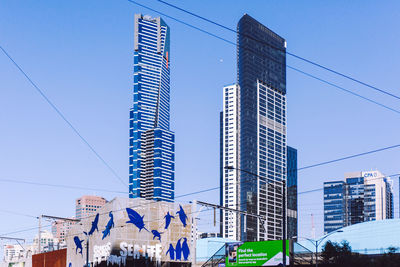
pixel 361 197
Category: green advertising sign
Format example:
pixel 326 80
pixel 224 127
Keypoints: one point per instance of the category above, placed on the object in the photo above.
pixel 262 253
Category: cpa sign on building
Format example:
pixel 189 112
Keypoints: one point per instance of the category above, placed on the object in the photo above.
pixel 133 231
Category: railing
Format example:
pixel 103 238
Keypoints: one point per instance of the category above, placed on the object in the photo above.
pixel 217 258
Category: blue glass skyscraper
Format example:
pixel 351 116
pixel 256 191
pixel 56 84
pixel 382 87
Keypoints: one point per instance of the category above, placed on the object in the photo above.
pixel 334 206
pixel 151 143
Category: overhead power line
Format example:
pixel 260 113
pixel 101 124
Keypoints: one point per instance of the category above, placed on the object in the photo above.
pixel 18 213
pixel 60 186
pixel 62 116
pixel 179 196
pixel 218 187
pixel 344 89
pixel 256 52
pixel 349 157
pixel 283 50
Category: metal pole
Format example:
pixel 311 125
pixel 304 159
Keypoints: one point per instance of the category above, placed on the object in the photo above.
pixel 87 252
pixel 284 223
pixel 316 253
pixel 40 235
pixel 194 231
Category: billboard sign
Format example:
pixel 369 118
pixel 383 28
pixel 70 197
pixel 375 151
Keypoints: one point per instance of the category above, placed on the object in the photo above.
pixel 261 253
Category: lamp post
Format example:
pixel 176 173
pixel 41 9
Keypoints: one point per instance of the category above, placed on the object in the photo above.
pixel 283 207
pixel 318 242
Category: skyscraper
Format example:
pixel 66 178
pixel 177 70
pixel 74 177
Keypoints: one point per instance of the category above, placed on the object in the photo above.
pixel 363 196
pixel 334 205
pixel 151 143
pixel 292 220
pixel 253 135
pixel 230 186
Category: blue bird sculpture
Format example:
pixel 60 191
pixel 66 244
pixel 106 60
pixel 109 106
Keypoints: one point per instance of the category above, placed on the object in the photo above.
pixel 185 249
pixel 178 250
pixel 168 218
pixel 182 215
pixel 171 252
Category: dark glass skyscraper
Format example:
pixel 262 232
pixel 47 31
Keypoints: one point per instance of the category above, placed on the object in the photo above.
pixel 261 62
pixel 151 150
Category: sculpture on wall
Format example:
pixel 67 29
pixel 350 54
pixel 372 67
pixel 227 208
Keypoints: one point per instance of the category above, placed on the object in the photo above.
pixel 109 225
pixel 182 215
pixel 136 219
pixel 94 225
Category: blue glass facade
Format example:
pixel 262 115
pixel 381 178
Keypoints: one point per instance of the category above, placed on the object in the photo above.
pixel 261 62
pixel 355 200
pixel 151 143
pixel 363 196
pixel 292 220
pixel 334 205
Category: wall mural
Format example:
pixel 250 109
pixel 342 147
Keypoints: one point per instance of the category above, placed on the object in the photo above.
pixel 117 251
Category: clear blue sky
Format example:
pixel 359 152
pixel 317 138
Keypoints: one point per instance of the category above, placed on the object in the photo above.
pixel 80 54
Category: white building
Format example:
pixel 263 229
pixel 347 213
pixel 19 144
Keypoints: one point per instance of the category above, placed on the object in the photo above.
pixel 229 157
pixel 13 253
pixel 271 162
pixel 378 196
pixel 47 242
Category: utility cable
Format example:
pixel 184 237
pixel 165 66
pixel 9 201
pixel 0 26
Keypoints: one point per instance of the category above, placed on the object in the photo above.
pixel 18 213
pixel 344 89
pixel 26 230
pixel 218 187
pixel 62 116
pixel 60 186
pixel 255 52
pixel 283 50
pixel 348 157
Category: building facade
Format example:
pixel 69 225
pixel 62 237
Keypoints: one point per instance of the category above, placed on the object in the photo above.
pixel 88 205
pixel 151 143
pixel 13 253
pixel 363 196
pixel 60 229
pixel 230 186
pixel 292 219
pixel 334 205
pixel 253 135
pixel 47 242
pixel 134 232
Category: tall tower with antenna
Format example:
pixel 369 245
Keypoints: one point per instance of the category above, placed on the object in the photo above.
pixel 151 143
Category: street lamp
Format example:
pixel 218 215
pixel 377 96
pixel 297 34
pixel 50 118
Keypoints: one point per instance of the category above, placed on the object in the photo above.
pixel 283 207
pixel 318 242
